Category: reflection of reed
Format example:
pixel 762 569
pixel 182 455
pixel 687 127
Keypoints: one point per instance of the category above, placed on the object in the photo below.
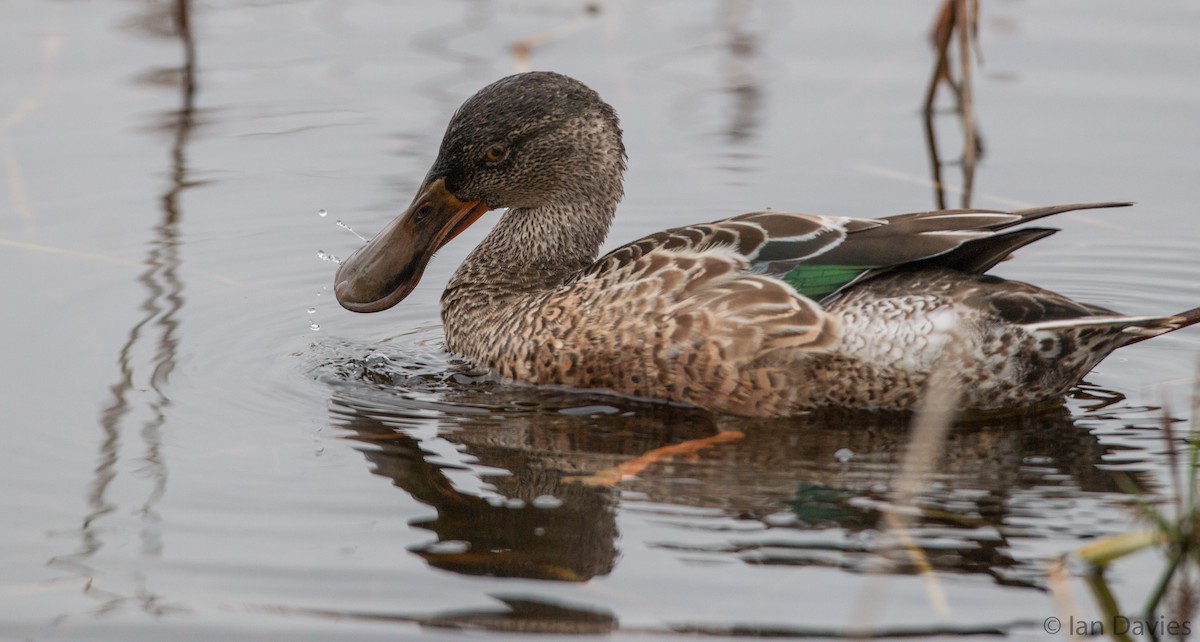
pixel 524 47
pixel 955 18
pixel 464 67
pixel 739 71
pixel 164 299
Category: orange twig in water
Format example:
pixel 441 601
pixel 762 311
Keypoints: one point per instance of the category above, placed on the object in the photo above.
pixel 617 474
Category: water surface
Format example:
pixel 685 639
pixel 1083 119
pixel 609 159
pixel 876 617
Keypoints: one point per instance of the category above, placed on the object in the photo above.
pixel 189 452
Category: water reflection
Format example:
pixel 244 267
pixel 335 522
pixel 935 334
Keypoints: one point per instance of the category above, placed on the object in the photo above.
pixel 507 470
pixel 441 89
pixel 956 23
pixel 534 526
pixel 740 84
pixel 515 614
pixel 158 327
pixel 739 70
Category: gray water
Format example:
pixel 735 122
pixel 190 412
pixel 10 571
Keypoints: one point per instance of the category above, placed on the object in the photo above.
pixel 200 444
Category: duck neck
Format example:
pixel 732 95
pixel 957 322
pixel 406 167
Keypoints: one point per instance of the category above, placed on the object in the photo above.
pixel 534 249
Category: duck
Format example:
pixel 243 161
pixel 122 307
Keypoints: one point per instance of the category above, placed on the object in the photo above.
pixel 764 314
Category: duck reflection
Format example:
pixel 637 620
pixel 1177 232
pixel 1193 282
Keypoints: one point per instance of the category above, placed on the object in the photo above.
pixel 528 484
pixel 520 532
pixel 535 519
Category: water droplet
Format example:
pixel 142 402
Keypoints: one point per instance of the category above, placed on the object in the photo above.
pixel 322 213
pixel 350 230
pixel 539 531
pixel 376 359
pixel 314 326
pixel 843 455
pixel 312 310
pixel 321 254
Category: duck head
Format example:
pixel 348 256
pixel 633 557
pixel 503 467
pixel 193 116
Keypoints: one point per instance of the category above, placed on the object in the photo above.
pixel 531 141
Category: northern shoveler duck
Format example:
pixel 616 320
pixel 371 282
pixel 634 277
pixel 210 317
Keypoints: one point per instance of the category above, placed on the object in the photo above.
pixel 763 314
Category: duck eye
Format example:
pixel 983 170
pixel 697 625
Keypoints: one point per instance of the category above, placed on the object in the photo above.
pixel 495 153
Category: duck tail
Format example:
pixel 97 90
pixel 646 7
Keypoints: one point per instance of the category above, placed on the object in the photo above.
pixel 1034 213
pixel 1173 323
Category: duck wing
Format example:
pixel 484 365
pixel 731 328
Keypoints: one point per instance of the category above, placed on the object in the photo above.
pixel 818 255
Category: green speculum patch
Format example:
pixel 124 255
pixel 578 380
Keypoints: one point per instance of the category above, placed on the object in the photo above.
pixel 819 281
